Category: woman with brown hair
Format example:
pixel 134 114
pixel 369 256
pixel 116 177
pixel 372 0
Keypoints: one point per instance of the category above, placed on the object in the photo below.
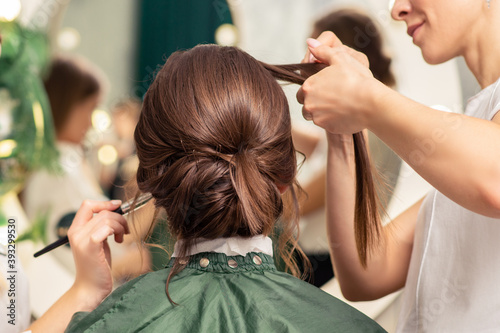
pixel 215 151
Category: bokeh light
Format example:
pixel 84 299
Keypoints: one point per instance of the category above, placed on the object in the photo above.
pixel 9 9
pixel 226 35
pixel 68 39
pixel 101 120
pixel 7 147
pixel 107 154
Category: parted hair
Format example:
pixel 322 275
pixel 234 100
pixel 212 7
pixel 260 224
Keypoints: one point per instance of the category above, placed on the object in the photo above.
pixel 215 147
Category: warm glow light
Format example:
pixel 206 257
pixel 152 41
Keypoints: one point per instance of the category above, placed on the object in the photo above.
pixel 226 35
pixel 107 154
pixel 101 120
pixel 68 39
pixel 6 147
pixel 39 124
pixel 9 9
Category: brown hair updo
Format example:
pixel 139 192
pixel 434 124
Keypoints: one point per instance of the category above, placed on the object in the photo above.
pixel 214 145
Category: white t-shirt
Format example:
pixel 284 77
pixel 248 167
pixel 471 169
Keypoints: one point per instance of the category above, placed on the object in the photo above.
pixel 454 274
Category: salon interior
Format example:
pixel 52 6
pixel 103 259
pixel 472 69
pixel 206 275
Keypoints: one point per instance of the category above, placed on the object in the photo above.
pixel 124 42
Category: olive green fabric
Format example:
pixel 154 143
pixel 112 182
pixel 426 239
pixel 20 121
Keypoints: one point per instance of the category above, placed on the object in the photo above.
pixel 161 236
pixel 231 294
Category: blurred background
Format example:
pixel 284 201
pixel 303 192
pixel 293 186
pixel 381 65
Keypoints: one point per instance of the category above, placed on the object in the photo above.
pixel 123 43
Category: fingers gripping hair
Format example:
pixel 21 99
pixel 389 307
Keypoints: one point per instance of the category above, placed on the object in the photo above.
pixel 367 221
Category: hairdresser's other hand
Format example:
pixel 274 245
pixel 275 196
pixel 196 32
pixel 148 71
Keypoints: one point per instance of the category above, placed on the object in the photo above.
pixel 339 97
pixel 93 224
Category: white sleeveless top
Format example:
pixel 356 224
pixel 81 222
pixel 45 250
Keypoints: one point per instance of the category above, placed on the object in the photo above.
pixel 453 283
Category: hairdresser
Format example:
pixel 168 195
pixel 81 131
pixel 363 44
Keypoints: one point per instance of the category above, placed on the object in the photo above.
pixel 444 249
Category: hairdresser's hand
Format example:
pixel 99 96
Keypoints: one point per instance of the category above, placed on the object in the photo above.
pixel 339 97
pixel 328 38
pixel 93 224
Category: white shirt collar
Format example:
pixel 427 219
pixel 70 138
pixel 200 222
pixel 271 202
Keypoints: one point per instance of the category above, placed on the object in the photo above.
pixel 230 246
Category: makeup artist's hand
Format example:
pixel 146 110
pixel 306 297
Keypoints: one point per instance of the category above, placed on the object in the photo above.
pixel 93 224
pixel 338 97
pixel 87 236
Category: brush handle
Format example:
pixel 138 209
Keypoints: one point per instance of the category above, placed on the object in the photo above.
pixel 64 240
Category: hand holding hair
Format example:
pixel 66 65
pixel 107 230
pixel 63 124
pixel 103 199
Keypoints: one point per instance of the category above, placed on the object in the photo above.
pixel 345 137
pixel 338 97
pixel 327 38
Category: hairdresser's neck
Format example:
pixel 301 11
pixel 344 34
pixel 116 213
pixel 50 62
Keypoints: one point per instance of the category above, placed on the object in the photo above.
pixel 483 48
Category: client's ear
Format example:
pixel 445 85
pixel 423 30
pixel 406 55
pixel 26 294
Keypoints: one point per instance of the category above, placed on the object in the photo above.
pixel 282 188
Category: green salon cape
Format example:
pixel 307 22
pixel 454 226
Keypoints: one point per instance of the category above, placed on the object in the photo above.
pixel 219 293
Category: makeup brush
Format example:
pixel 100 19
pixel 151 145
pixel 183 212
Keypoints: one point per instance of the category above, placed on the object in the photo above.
pixel 124 209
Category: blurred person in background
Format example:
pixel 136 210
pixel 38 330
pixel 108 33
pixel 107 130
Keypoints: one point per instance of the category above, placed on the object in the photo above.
pixel 74 90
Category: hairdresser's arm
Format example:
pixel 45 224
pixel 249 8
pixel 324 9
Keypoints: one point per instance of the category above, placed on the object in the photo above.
pixel 386 270
pixel 93 281
pixel 452 152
